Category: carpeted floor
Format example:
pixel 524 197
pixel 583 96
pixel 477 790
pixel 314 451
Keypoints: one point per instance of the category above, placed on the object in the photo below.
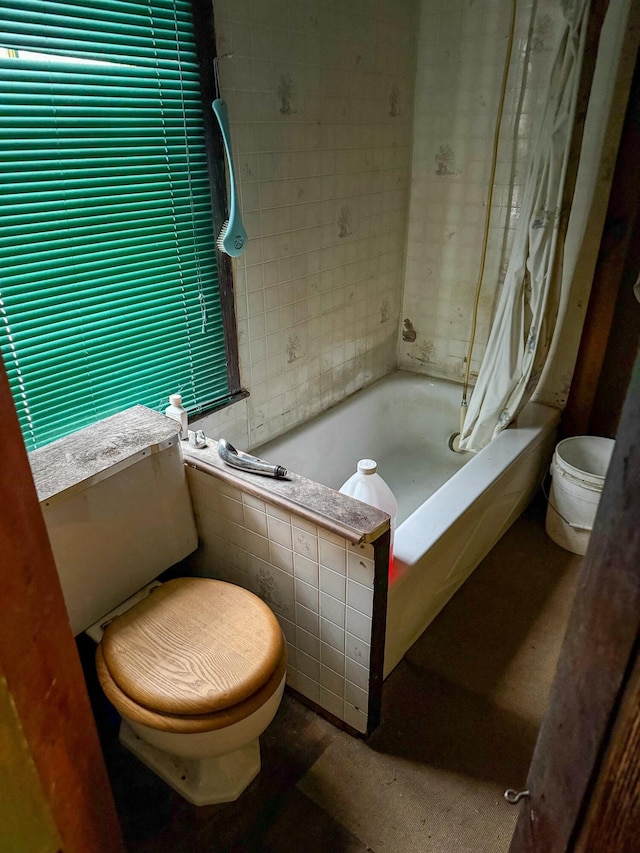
pixel 460 719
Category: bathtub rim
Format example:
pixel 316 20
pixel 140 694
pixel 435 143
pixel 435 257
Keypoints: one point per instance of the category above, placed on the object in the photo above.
pixel 429 521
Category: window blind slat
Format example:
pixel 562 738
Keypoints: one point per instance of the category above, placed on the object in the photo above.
pixel 56 239
pixel 83 231
pixel 109 294
pixel 100 213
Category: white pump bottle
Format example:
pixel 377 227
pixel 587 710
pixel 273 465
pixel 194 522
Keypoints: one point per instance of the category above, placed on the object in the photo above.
pixel 176 412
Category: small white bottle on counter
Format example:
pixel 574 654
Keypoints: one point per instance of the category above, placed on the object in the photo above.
pixel 176 412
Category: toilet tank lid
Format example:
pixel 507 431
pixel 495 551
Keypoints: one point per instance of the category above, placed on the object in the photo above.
pixel 100 450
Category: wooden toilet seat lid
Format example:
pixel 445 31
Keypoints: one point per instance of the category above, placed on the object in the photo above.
pixel 193 646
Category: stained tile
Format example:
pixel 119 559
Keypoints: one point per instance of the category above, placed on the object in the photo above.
pixel 356 649
pixel 305 543
pixel 356 696
pixel 355 717
pixel 360 569
pixel 274 587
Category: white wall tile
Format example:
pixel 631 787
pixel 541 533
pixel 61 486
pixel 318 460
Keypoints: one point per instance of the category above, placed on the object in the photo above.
pixel 334 704
pixel 236 534
pixel 255 520
pixel 332 635
pixel 455 111
pixel 360 569
pixel 308 687
pixel 308 643
pixel 308 666
pixel 332 680
pixel 273 586
pixel 360 597
pixel 357 674
pixel 332 556
pixel 357 650
pixel 307 595
pixel 232 510
pixel 333 658
pixel 307 619
pixel 281 557
pixel 288 629
pixel 358 625
pixel 257 546
pixel 355 717
pixel 357 697
pixel 306 570
pixel 279 531
pixel 305 542
pixel 332 610
pixel 333 583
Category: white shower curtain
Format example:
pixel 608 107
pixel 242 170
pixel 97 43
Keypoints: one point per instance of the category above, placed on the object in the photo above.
pixel 525 316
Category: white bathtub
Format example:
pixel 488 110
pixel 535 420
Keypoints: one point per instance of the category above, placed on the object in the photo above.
pixel 452 507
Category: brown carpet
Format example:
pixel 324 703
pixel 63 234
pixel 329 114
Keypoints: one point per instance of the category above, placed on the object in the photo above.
pixel 461 711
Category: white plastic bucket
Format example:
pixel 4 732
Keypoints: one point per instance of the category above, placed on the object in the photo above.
pixel 578 471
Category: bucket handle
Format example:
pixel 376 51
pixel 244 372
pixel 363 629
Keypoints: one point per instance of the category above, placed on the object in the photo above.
pixel 557 511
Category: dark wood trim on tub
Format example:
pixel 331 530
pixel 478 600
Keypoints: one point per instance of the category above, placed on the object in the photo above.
pixel 381 552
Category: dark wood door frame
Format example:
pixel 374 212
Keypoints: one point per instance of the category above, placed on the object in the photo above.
pixel 39 659
pixel 617 266
pixel 584 778
pixel 598 656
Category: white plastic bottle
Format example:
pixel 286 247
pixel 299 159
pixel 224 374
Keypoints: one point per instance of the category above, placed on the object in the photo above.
pixel 176 412
pixel 367 485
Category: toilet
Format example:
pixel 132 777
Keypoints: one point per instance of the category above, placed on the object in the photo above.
pixel 194 666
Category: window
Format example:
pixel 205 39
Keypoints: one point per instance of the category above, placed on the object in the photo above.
pixel 111 289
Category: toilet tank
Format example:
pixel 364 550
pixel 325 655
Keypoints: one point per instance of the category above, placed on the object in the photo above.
pixel 116 504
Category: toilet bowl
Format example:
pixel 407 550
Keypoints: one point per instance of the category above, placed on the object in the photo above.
pixel 195 667
pixel 196 670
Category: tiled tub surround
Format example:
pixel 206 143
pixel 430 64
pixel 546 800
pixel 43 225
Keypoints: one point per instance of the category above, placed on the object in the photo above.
pixel 311 555
pixel 460 58
pixel 320 99
pixel 452 508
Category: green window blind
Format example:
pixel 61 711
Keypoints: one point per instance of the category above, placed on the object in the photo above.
pixel 109 293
